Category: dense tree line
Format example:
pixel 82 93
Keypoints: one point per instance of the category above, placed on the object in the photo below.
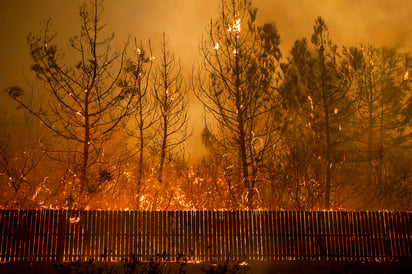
pixel 324 126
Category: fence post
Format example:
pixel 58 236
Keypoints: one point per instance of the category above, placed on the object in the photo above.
pixel 61 236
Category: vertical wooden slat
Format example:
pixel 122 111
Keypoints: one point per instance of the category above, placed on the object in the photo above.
pixel 276 235
pixel 43 235
pixel 388 237
pixel 366 245
pixel 397 235
pixel 197 234
pixel 119 235
pixel 77 236
pixel 408 224
pixel 53 236
pixel 105 235
pixel 18 235
pixel 402 235
pixel 408 234
pixel 327 226
pixel 374 236
pixel 237 242
pixel 226 235
pixel 140 245
pixel 282 235
pixel 352 236
pixel 201 241
pixel 382 228
pixel 219 235
pixel 122 234
pixel 223 240
pixel 96 233
pixel 91 224
pixel 294 235
pixel 307 231
pixel 160 231
pixel 172 229
pixel 35 240
pixel 394 236
pixel 2 233
pixel 113 235
pixel 361 236
pixel 12 230
pixel 27 235
pixel 4 228
pixel 341 232
pixel 256 232
pixel 202 248
pixel 337 230
pixel 136 232
pixel 186 231
pixel 355 239
pixel 340 229
pixel 380 234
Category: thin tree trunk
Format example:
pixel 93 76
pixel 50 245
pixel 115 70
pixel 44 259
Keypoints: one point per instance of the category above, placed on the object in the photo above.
pixel 327 130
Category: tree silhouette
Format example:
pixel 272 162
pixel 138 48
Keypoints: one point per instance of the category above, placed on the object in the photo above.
pixel 84 103
pixel 381 88
pixel 319 86
pixel 138 75
pixel 235 85
pixel 171 104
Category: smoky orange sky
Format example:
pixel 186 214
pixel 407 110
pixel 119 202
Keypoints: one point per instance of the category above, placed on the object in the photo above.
pixel 351 22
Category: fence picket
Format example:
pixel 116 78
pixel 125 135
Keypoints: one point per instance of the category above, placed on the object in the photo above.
pixel 63 235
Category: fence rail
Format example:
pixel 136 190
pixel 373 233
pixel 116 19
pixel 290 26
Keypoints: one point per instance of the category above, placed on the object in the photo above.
pixel 64 235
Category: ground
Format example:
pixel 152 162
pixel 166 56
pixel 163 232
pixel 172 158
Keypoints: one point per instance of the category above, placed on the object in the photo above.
pixel 252 267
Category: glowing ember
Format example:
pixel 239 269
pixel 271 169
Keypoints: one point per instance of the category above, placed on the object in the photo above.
pixel 235 51
pixel 335 111
pixel 311 102
pixel 406 76
pixel 138 52
pixel 74 220
pixel 216 46
pixel 235 29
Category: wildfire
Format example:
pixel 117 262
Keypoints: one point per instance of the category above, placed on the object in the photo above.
pixel 311 102
pixel 235 28
pixel 74 220
pixel 406 76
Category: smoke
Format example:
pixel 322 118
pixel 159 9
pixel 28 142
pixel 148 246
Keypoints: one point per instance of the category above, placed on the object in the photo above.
pixel 351 22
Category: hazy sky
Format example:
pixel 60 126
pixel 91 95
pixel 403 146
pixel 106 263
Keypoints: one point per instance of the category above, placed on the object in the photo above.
pixel 351 22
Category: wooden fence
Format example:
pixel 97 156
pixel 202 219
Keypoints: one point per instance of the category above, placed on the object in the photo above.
pixel 64 235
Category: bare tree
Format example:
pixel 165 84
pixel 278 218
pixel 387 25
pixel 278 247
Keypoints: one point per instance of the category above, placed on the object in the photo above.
pixel 235 84
pixel 83 102
pixel 138 71
pixel 171 104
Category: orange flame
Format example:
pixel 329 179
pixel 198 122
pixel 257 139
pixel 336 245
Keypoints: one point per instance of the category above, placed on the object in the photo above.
pixel 235 29
pixel 406 76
